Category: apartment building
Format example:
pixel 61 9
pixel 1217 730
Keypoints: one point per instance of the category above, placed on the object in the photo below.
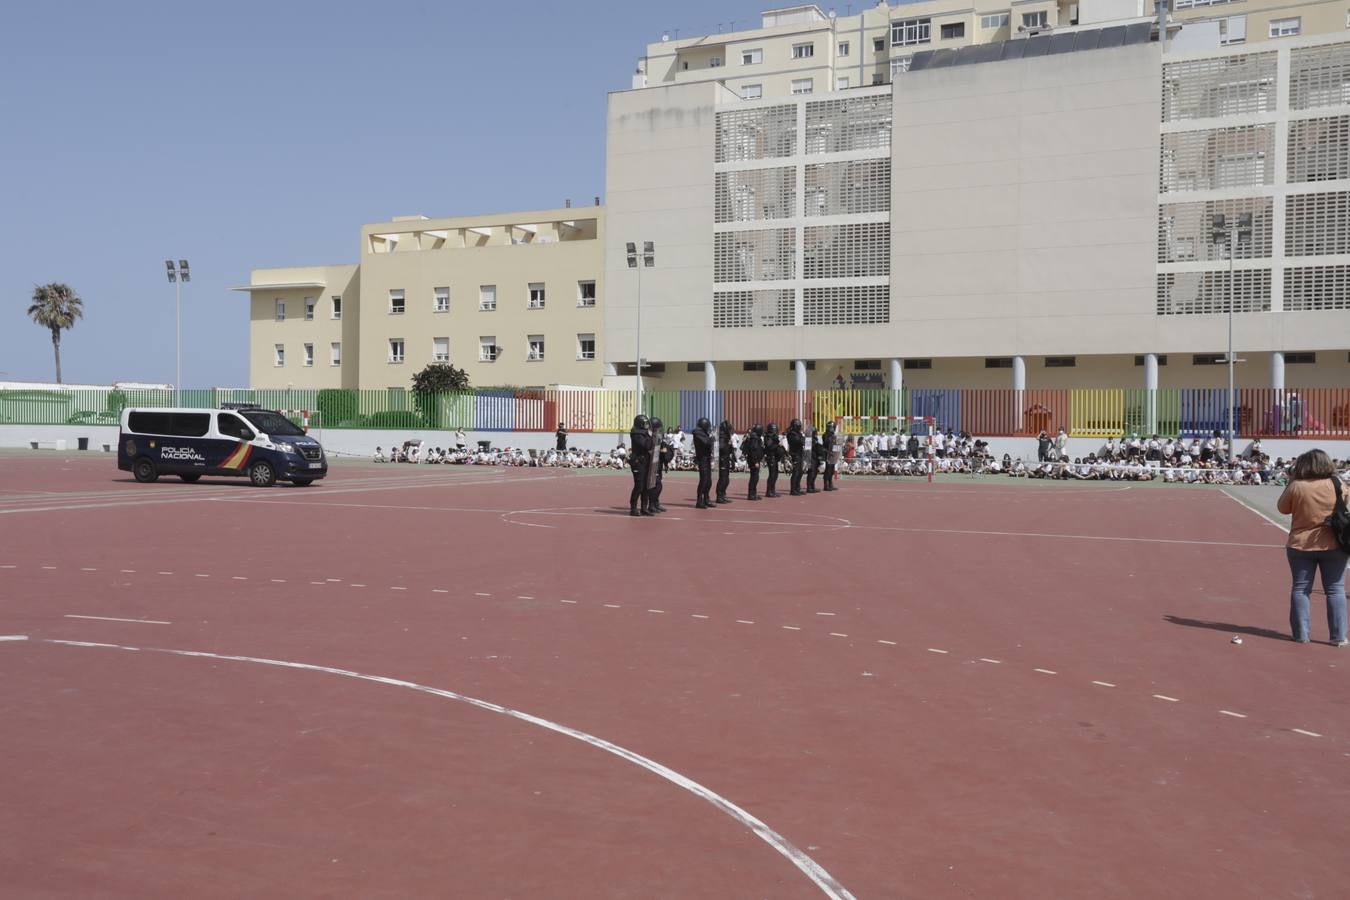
pixel 805 50
pixel 512 298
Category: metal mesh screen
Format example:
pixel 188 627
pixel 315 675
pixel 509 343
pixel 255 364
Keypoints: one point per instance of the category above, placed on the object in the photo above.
pixel 844 188
pixel 749 309
pixel 852 305
pixel 1217 158
pixel 756 133
pixel 769 255
pixel 1184 230
pixel 755 194
pixel 1226 86
pixel 847 251
pixel 1309 288
pixel 1319 76
pixel 1319 149
pixel 1317 224
pixel 1198 293
pixel 853 123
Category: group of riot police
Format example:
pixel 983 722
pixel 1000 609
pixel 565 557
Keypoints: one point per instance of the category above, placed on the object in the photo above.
pixel 802 452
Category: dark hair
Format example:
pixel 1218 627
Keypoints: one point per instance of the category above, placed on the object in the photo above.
pixel 1313 464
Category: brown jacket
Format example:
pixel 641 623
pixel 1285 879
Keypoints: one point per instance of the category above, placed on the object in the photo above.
pixel 1309 502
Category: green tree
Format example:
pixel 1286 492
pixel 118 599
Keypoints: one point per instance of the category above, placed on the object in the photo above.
pixel 430 387
pixel 56 307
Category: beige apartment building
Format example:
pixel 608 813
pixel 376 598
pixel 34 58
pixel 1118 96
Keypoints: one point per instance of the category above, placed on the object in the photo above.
pixel 512 298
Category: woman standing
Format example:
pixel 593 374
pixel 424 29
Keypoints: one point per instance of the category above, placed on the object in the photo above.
pixel 1310 499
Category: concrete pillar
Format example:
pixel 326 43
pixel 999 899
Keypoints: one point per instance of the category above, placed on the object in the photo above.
pixel 1277 370
pixel 897 385
pixel 1150 371
pixel 1019 371
pixel 709 376
pixel 611 369
pixel 800 367
pixel 1151 392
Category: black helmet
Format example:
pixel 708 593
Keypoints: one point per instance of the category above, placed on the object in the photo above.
pixel 640 423
pixel 703 424
pixel 829 428
pixel 724 429
pixel 795 425
pixel 657 424
pixel 773 428
pixel 757 430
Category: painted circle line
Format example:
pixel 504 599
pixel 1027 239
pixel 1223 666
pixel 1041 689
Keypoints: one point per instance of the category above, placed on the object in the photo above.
pixel 827 883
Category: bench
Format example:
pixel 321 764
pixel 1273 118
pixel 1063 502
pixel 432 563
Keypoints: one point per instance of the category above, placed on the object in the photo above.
pixel 59 444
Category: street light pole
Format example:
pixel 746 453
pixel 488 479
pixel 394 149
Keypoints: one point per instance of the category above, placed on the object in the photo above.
pixel 178 277
pixel 1221 231
pixel 645 260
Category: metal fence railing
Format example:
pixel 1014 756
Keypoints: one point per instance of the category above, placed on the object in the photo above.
pixel 1085 412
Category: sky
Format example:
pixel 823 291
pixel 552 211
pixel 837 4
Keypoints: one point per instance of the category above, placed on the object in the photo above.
pixel 250 134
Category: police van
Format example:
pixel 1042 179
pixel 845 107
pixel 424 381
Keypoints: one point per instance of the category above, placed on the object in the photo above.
pixel 236 439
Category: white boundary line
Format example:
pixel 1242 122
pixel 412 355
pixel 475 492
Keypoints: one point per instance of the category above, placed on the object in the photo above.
pixel 828 885
pixel 111 619
pixel 1247 506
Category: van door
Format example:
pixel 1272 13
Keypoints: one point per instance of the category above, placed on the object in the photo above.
pixel 233 444
pixel 184 442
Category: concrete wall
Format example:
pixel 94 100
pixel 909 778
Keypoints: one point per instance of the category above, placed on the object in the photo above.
pixel 265 332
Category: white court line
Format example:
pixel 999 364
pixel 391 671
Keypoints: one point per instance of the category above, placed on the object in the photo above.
pixel 1103 684
pixel 656 610
pixel 887 643
pixel 15 567
pixel 520 597
pixel 824 614
pixel 481 594
pixel 334 580
pixel 935 650
pixel 790 627
pixel 87 569
pixel 319 583
pixel 613 605
pixel 392 587
pixel 357 585
pixel 1165 697
pixel 13 637
pixel 1247 506
pixel 164 573
pixel 439 591
pixel 201 575
pixel 988 660
pixel 1229 712
pixel 1045 671
pixel 278 580
pixel 567 601
pixel 111 619
pixel 1307 733
pixel 239 578
pixel 697 616
pixel 53 567
pixel 744 622
pixel 127 571
pixel 827 883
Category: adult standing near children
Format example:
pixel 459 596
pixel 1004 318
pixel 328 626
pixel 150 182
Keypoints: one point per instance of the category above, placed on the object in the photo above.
pixel 561 435
pixel 725 452
pixel 752 448
pixel 639 460
pixel 1310 498
pixel 703 451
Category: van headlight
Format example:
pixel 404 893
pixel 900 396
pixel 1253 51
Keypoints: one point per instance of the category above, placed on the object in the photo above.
pixel 285 447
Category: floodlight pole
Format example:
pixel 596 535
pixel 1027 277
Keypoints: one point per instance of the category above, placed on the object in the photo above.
pixel 1238 229
pixel 637 367
pixel 178 310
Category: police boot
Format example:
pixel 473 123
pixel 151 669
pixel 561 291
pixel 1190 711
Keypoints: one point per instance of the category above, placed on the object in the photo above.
pixel 723 499
pixel 633 510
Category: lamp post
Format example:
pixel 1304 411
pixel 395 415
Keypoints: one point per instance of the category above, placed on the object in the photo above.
pixel 178 276
pixel 648 260
pixel 1223 231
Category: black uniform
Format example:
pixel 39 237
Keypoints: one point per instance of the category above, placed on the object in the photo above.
pixel 816 459
pixel 827 442
pixel 561 435
pixel 773 453
pixel 703 451
pixel 796 443
pixel 723 460
pixel 662 454
pixel 752 448
pixel 639 460
pixel 912 445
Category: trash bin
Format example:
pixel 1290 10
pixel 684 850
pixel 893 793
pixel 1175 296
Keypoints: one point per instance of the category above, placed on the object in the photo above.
pixel 84 443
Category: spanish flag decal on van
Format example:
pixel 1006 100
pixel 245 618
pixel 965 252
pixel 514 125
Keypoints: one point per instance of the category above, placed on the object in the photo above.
pixel 237 459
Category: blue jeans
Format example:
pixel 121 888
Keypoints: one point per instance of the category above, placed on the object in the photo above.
pixel 1303 565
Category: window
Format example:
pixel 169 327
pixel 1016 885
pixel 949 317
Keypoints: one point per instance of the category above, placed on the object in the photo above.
pixel 810 365
pixel 900 64
pixel 1061 362
pixel 1233 30
pixel 396 303
pixel 1038 19
pixel 752 91
pixel 918 364
pixel 878 78
pixel 867 365
pixel 842 50
pixel 1286 27
pixel 803 51
pixel 996 20
pixel 309 354
pixel 1300 359
pixel 396 350
pixel 487 348
pixel 536 348
pixel 715 62
pixel 911 31
pixel 175 424
pixel 752 57
pixel 337 307
pixel 487 296
pixel 536 295
pixel 440 299
pixel 803 85
pixel 230 425
pixel 953 30
pixel 279 355
pixel 281 310
pixel 695 367
pixel 335 353
pixel 879 45
pixel 1208 359
pixel 309 309
pixel 440 349
pixel 1139 359
pixel 753 366
pixel 998 362
pixel 585 293
pixel 586 346
pixel 841 83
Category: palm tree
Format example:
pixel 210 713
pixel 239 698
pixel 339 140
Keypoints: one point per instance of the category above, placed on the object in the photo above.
pixel 56 307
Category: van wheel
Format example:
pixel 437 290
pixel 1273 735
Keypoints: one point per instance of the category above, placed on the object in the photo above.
pixel 302 482
pixel 191 477
pixel 262 474
pixel 145 470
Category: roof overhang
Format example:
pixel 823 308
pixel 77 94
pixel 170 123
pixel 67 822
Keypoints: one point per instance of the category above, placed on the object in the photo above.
pixel 292 285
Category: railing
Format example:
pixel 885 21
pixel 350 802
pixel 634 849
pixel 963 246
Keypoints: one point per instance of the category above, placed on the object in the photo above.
pixel 1086 412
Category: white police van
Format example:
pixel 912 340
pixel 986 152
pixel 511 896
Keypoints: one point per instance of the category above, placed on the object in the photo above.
pixel 236 439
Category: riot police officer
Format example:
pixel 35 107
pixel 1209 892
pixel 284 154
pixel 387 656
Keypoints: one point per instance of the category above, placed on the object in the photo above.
pixel 796 441
pixel 663 451
pixel 703 451
pixel 831 456
pixel 815 457
pixel 561 435
pixel 752 448
pixel 773 454
pixel 639 460
pixel 724 451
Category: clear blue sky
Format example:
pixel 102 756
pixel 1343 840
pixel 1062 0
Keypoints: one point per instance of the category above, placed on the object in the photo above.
pixel 249 134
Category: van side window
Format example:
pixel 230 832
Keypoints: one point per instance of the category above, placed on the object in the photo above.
pixel 170 424
pixel 231 425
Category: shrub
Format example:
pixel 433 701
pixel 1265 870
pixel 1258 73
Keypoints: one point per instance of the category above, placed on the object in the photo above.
pixel 395 418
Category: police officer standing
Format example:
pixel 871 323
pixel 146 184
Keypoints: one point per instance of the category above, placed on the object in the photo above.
pixel 815 457
pixel 752 448
pixel 773 452
pixel 831 455
pixel 724 452
pixel 662 453
pixel 703 451
pixel 796 444
pixel 561 435
pixel 639 460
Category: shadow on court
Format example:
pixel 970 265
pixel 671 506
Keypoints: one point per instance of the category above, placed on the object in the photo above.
pixel 1228 627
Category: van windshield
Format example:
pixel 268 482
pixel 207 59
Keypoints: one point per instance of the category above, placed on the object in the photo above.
pixel 272 423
